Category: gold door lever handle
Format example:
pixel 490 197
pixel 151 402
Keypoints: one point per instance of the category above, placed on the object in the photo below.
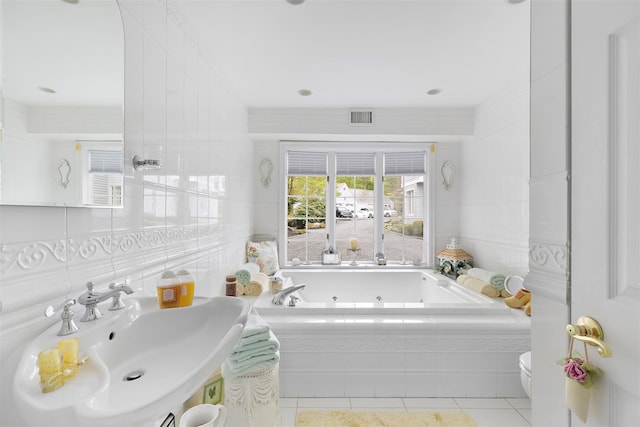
pixel 588 330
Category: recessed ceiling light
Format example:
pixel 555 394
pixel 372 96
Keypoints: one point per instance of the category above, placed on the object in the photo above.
pixel 46 89
pixel 515 1
pixel 304 92
pixel 434 91
pixel 295 2
pixel 71 1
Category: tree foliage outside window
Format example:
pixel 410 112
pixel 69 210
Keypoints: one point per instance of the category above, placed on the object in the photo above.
pixel 306 216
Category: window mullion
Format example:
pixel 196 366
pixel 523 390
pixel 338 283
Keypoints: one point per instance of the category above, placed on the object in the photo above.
pixel 330 222
pixel 378 226
pixel 429 207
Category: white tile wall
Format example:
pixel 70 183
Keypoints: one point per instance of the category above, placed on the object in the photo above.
pixel 447 201
pixel 550 145
pixel 493 180
pixel 179 109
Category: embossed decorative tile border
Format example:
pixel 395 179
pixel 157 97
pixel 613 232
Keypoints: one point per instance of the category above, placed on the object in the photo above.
pixel 32 256
pixel 36 256
pixel 553 258
pixel 549 270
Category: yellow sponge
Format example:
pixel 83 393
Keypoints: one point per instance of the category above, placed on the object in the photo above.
pixel 50 365
pixel 69 349
pixel 50 361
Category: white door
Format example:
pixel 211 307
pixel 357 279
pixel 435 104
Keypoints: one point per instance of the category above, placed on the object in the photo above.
pixel 605 197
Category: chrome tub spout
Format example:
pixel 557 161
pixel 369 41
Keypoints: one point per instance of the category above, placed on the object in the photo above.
pixel 281 296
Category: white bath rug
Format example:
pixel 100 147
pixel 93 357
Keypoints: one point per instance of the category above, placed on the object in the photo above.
pixel 382 419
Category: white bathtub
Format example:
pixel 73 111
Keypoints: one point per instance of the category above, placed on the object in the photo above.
pixel 379 291
pixel 426 337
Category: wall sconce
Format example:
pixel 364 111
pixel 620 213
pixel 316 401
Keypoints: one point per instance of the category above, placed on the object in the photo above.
pixel 64 170
pixel 141 164
pixel 448 173
pixel 266 169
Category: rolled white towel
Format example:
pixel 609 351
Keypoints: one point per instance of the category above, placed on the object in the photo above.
pixel 251 267
pixel 478 286
pixel 491 277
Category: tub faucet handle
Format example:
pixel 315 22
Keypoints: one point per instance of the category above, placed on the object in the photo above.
pixel 293 300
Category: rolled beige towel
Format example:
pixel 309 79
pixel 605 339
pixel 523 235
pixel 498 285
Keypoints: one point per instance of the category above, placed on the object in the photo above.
pixel 253 289
pixel 240 289
pixel 259 282
pixel 461 278
pixel 478 286
pixel 505 293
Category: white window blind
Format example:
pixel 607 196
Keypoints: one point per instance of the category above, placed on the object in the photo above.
pixel 410 163
pixel 306 163
pixel 106 190
pixel 106 161
pixel 356 164
pixel 105 177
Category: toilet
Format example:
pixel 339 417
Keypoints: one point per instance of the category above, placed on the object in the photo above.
pixel 525 372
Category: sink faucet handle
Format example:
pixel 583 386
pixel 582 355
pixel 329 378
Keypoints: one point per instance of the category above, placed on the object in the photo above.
pixel 68 326
pixel 66 305
pixel 116 300
pixel 126 282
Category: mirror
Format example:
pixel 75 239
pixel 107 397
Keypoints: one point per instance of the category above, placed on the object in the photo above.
pixel 62 103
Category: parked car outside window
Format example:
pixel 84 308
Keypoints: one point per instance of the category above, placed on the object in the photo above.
pixel 343 213
pixel 364 213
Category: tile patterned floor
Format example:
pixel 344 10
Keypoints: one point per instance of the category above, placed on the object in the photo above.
pixel 486 412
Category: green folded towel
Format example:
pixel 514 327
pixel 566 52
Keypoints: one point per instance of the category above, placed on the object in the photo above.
pixel 255 325
pixel 247 341
pixel 494 279
pixel 255 330
pixel 259 348
pixel 231 369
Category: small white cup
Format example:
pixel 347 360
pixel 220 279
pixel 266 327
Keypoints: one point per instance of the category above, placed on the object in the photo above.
pixel 204 415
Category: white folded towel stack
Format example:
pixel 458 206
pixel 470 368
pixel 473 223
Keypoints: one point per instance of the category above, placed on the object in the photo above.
pixel 257 349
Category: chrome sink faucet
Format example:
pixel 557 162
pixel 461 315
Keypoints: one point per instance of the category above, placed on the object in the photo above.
pixel 281 296
pixel 91 298
pixel 68 326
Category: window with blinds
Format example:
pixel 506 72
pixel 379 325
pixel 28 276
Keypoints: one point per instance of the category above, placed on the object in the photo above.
pixel 409 163
pixel 355 194
pixel 306 205
pixel 306 163
pixel 405 204
pixel 106 168
pixel 355 164
pixel 373 194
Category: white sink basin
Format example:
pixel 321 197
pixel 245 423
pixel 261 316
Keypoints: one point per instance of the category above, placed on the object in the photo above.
pixel 175 350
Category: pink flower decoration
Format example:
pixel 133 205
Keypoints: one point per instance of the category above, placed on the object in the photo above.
pixel 574 370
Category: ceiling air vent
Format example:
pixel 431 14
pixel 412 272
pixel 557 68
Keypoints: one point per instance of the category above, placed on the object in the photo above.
pixel 361 117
